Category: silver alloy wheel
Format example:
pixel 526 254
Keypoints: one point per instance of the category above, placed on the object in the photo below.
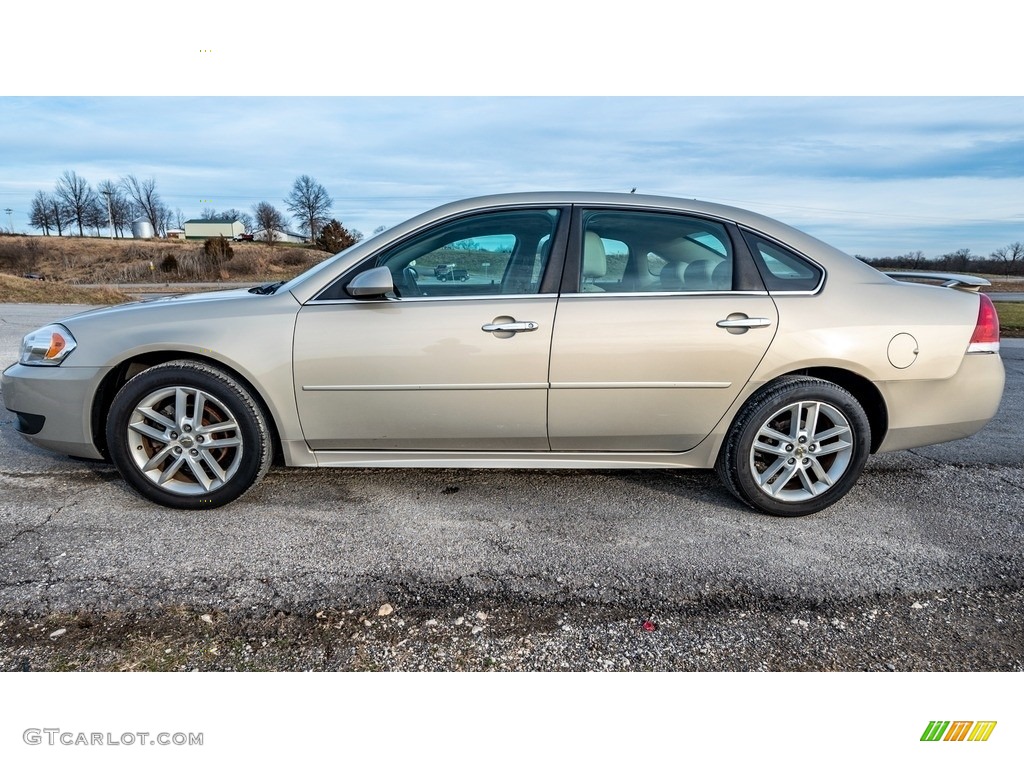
pixel 184 440
pixel 801 451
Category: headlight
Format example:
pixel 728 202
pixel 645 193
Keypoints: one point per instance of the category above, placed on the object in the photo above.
pixel 47 346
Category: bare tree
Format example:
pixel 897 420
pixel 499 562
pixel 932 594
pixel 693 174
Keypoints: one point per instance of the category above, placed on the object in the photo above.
pixel 269 220
pixel 59 213
pixel 1009 255
pixel 310 204
pixel 166 220
pixel 209 214
pixel 41 214
pixel 146 199
pixel 76 197
pixel 960 260
pixel 120 207
pixel 233 214
pixel 96 216
pixel 912 260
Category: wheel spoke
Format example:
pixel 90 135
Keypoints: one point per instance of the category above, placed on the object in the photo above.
pixel 200 474
pixel 772 434
pixel 222 442
pixel 197 408
pixel 828 434
pixel 147 431
pixel 764 477
pixel 805 480
pixel 224 426
pixel 836 447
pixel 171 470
pixel 820 472
pixel 159 418
pixel 216 468
pixel 157 459
pixel 794 421
pixel 811 423
pixel 180 405
pixel 780 482
pixel 775 450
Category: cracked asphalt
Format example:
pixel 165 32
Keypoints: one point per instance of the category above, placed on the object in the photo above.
pixel 919 567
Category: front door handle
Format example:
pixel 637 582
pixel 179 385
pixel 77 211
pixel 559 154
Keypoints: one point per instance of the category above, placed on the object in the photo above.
pixel 510 327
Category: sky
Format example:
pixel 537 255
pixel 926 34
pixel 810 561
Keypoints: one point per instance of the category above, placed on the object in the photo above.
pixel 873 176
pixel 881 132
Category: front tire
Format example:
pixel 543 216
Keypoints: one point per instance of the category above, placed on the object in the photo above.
pixel 796 447
pixel 186 435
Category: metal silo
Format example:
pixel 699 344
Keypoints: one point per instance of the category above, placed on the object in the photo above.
pixel 142 229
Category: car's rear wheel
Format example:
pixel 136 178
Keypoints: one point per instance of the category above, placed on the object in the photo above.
pixel 796 447
pixel 187 435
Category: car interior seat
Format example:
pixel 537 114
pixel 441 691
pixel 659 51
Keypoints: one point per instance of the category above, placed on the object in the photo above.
pixel 595 262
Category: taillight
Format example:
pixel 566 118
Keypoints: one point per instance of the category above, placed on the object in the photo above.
pixel 986 332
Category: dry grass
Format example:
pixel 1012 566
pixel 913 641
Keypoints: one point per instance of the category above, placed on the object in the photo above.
pixel 18 290
pixel 1004 285
pixel 101 260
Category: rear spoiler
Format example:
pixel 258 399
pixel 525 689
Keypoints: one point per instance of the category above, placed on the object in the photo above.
pixel 948 279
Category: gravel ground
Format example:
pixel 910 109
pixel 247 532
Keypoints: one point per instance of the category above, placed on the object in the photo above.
pixel 944 631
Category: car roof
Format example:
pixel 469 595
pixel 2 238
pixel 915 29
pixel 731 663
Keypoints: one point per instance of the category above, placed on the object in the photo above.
pixel 758 222
pixel 306 286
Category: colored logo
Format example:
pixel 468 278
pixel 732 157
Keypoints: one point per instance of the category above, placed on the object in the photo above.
pixel 958 730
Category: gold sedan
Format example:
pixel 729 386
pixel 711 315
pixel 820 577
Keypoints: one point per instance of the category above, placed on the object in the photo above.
pixel 529 330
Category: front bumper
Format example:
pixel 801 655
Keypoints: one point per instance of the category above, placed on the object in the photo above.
pixel 63 397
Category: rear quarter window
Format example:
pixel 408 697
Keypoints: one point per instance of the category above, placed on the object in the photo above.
pixel 782 269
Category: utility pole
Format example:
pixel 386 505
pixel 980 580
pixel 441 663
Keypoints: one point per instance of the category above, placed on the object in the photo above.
pixel 110 219
pixel 10 222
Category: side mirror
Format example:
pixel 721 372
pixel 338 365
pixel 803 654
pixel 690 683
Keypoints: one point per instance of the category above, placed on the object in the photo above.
pixel 372 284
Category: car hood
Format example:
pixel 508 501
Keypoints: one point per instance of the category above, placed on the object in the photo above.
pixel 165 302
pixel 224 326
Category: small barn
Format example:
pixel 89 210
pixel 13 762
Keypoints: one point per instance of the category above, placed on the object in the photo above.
pixel 204 229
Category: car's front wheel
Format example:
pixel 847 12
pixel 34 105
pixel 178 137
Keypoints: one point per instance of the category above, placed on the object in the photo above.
pixel 796 447
pixel 187 435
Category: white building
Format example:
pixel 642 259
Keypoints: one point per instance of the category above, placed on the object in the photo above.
pixel 281 237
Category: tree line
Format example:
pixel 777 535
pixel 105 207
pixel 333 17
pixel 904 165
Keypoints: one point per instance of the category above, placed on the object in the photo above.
pixel 1006 260
pixel 114 205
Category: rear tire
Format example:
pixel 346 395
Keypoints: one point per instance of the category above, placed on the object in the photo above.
pixel 796 447
pixel 186 435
